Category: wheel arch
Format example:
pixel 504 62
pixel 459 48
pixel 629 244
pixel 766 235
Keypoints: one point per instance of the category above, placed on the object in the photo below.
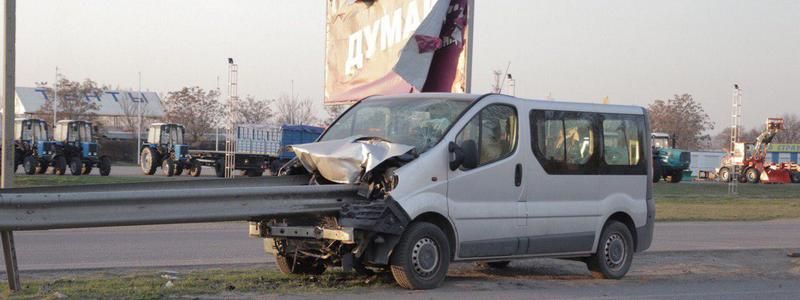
pixel 444 224
pixel 626 219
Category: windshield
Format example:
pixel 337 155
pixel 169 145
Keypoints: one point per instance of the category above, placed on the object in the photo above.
pixel 418 123
pixel 80 132
pixel 660 142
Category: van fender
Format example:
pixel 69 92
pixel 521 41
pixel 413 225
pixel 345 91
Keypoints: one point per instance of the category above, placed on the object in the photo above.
pixel 616 203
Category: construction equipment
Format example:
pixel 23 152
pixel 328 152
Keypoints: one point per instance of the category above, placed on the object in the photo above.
pixel 165 148
pixel 668 162
pixel 748 160
pixel 80 149
pixel 34 150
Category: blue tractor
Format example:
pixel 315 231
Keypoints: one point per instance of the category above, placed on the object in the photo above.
pixel 80 149
pixel 34 150
pixel 165 148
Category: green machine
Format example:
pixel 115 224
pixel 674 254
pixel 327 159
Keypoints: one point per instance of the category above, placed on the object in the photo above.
pixel 668 162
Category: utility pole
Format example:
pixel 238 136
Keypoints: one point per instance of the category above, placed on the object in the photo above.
pixel 736 124
pixel 233 99
pixel 9 93
pixel 55 100
pixel 139 121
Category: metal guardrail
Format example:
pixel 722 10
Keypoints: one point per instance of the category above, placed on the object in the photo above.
pixel 165 203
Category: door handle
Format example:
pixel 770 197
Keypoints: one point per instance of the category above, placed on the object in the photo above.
pixel 518 175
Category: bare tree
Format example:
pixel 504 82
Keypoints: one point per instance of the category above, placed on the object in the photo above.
pixel 76 100
pixel 791 134
pixel 683 118
pixel 251 111
pixel 131 111
pixel 291 110
pixel 198 110
pixel 333 112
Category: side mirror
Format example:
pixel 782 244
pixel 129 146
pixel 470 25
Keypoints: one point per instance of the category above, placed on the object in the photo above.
pixel 465 155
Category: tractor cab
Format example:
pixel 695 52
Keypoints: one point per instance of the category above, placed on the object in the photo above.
pixel 165 147
pixel 80 147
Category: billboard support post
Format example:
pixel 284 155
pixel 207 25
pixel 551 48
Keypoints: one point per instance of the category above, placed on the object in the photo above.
pixel 9 93
pixel 470 44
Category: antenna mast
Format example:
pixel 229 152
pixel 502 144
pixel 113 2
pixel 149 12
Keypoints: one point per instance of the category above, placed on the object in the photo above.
pixel 736 125
pixel 233 99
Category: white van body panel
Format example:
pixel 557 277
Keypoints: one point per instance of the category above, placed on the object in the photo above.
pixel 484 206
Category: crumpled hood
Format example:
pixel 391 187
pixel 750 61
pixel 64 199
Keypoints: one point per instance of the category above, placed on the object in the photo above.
pixel 342 161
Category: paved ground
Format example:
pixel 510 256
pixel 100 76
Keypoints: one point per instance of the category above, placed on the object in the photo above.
pixel 226 243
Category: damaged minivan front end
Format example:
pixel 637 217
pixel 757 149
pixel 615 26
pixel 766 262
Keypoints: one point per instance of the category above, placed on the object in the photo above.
pixel 383 139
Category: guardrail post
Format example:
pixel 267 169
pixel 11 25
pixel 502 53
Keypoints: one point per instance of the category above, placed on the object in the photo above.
pixel 9 95
pixel 10 256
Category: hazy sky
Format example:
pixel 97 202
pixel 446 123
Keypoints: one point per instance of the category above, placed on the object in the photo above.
pixel 632 51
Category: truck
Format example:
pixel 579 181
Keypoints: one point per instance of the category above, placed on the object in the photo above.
pixel 258 148
pixel 668 162
pixel 33 148
pixel 747 162
pixel 81 150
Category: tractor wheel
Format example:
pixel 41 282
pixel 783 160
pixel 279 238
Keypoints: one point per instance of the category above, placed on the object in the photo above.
pixel 105 166
pixel 725 175
pixel 675 177
pixel 168 167
pixel 41 167
pixel 29 164
pixel 149 161
pixel 59 165
pixel 219 167
pixel 752 175
pixel 87 168
pixel 75 166
pixel 195 169
pixel 795 177
pixel 657 172
pixel 178 170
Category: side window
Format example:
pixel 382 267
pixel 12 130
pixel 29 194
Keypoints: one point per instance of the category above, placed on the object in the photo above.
pixel 494 130
pixel 579 140
pixel 615 143
pixel 565 142
pixel 622 145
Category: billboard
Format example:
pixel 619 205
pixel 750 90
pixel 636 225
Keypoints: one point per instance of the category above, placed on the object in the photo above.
pixel 383 47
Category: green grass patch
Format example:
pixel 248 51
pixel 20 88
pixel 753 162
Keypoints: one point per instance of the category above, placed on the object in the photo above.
pixel 54 180
pixel 712 202
pixel 195 283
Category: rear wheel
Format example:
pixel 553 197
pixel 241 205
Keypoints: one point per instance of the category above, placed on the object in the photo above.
pixel 75 165
pixel 29 165
pixel 676 177
pixel 657 172
pixel 614 252
pixel 219 168
pixel 60 165
pixel 168 167
pixel 178 170
pixel 795 177
pixel 148 159
pixel 753 176
pixel 421 258
pixel 105 166
pixel 301 265
pixel 41 167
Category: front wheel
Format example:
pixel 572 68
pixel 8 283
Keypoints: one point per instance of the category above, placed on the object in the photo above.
pixel 168 167
pixel 75 166
pixel 104 166
pixel 676 177
pixel 29 165
pixel 795 177
pixel 421 258
pixel 753 176
pixel 301 265
pixel 614 252
pixel 219 168
pixel 725 175
pixel 195 169
pixel 149 161
pixel 87 168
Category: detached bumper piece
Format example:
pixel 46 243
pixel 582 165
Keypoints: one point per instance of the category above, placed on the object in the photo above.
pixel 344 235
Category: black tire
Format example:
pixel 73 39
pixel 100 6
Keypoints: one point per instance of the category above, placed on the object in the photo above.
pixel 725 175
pixel 676 177
pixel 657 172
pixel 59 165
pixel 614 252
pixel 421 258
pixel 219 168
pixel 195 169
pixel 795 177
pixel 148 160
pixel 168 167
pixel 87 168
pixel 29 165
pixel 253 173
pixel 41 167
pixel 494 264
pixel 178 170
pixel 304 265
pixel 104 166
pixel 752 175
pixel 75 166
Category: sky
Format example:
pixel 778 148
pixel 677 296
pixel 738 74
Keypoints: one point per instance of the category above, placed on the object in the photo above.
pixel 631 51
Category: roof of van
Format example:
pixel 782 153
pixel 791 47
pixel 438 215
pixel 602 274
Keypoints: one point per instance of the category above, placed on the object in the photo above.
pixel 540 104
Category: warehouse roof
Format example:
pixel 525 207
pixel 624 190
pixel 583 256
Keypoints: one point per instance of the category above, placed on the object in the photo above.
pixel 30 99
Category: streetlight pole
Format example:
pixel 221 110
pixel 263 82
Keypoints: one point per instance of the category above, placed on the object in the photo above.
pixel 55 99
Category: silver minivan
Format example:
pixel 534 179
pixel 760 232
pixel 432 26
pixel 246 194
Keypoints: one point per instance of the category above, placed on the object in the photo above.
pixel 488 178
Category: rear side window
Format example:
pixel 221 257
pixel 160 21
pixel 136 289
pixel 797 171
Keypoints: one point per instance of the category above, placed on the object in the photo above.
pixel 567 142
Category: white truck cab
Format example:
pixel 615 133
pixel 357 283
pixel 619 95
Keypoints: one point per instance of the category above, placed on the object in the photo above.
pixel 488 178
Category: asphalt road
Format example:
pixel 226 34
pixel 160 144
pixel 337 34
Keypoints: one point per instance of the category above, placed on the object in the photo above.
pixel 228 243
